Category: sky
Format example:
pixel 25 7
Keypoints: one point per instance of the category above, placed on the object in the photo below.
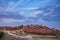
pixel 18 12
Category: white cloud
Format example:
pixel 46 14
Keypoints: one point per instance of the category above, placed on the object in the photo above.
pixel 48 13
pixel 18 3
pixel 21 13
pixel 10 20
pixel 41 20
pixel 10 5
pixel 38 12
pixel 34 14
pixel 30 8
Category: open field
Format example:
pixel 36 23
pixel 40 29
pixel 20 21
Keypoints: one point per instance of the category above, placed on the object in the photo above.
pixel 35 37
pixel 13 38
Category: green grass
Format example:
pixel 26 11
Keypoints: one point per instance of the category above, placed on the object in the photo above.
pixel 8 37
pixel 5 36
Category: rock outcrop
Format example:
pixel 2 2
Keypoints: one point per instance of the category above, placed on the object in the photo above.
pixel 36 29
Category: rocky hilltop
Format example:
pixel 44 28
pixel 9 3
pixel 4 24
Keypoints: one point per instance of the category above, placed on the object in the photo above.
pixel 36 29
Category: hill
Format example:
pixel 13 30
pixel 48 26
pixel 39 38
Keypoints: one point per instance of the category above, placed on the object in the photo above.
pixel 36 29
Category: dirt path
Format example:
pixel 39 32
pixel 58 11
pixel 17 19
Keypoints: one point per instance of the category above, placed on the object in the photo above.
pixel 42 39
pixel 17 36
pixel 27 37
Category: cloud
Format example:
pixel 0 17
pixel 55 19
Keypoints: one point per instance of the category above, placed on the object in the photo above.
pixel 48 13
pixel 35 13
pixel 13 5
pixel 9 21
pixel 11 15
pixel 9 7
pixel 30 8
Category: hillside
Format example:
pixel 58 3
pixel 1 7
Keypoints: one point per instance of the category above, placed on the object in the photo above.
pixel 36 29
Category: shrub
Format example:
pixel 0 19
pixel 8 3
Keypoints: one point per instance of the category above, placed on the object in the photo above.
pixel 1 34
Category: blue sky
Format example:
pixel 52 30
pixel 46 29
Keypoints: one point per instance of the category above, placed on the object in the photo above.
pixel 17 12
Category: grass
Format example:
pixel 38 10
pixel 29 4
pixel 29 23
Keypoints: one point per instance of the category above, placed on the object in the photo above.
pixel 42 36
pixel 8 37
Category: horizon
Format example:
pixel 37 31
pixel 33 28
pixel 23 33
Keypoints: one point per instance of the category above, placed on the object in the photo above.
pixel 26 12
pixel 31 24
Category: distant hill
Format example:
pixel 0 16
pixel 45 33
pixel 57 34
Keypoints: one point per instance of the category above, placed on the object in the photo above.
pixel 36 29
pixel 39 29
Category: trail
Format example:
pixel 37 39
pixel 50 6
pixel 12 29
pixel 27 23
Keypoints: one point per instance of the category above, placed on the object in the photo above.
pixel 14 35
pixel 27 36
